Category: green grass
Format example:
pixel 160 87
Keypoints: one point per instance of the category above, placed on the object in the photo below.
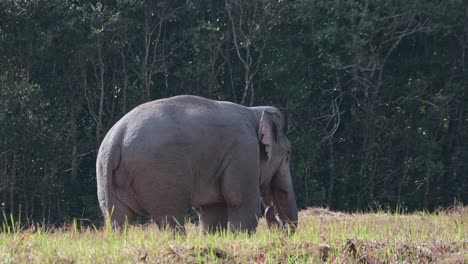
pixel 322 236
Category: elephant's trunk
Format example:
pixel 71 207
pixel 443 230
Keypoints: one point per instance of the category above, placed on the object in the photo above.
pixel 285 202
pixel 287 212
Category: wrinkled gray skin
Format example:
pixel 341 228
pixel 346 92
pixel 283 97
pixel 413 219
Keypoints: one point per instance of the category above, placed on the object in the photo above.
pixel 219 158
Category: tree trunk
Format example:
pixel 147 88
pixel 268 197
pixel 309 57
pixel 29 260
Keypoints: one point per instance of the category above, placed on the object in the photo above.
pixel 4 182
pixel 100 80
pixel 12 184
pixel 74 159
pixel 150 47
pixel 427 184
pixel 331 166
pixel 125 80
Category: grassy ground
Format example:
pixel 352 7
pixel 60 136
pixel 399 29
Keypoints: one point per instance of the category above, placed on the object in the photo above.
pixel 322 236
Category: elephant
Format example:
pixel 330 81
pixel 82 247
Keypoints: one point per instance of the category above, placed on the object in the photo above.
pixel 220 158
pixel 271 218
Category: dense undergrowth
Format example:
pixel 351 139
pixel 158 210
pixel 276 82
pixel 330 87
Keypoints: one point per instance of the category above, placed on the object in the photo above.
pixel 322 236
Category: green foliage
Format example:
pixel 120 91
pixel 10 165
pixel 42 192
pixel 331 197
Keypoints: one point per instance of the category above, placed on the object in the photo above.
pixel 375 92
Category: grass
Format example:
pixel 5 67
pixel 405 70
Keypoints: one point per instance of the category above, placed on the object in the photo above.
pixel 322 236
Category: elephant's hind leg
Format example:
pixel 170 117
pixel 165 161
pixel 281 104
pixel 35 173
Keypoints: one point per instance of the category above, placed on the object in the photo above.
pixel 164 187
pixel 174 222
pixel 118 214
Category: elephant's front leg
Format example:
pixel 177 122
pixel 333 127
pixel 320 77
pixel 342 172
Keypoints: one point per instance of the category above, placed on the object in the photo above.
pixel 213 218
pixel 243 218
pixel 241 190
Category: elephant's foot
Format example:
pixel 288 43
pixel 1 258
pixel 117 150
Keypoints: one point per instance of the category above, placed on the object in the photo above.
pixel 173 223
pixel 242 219
pixel 213 218
pixel 118 215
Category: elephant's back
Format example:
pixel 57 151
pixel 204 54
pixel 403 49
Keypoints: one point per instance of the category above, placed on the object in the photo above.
pixel 189 106
pixel 182 116
pixel 191 124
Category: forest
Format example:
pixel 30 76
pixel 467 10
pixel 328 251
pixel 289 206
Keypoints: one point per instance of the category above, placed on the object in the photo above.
pixel 375 92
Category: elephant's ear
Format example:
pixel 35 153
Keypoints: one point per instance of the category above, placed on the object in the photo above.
pixel 268 131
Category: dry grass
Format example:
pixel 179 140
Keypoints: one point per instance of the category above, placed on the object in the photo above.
pixel 322 236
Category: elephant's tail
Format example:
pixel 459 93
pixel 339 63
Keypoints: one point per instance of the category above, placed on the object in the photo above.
pixel 107 164
pixel 107 161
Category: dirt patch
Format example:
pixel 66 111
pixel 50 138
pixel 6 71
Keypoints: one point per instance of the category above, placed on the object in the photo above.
pixel 283 250
pixel 321 212
pixel 173 254
pixel 359 251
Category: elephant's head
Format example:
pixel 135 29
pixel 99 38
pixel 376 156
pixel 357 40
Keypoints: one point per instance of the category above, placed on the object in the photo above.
pixel 275 182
